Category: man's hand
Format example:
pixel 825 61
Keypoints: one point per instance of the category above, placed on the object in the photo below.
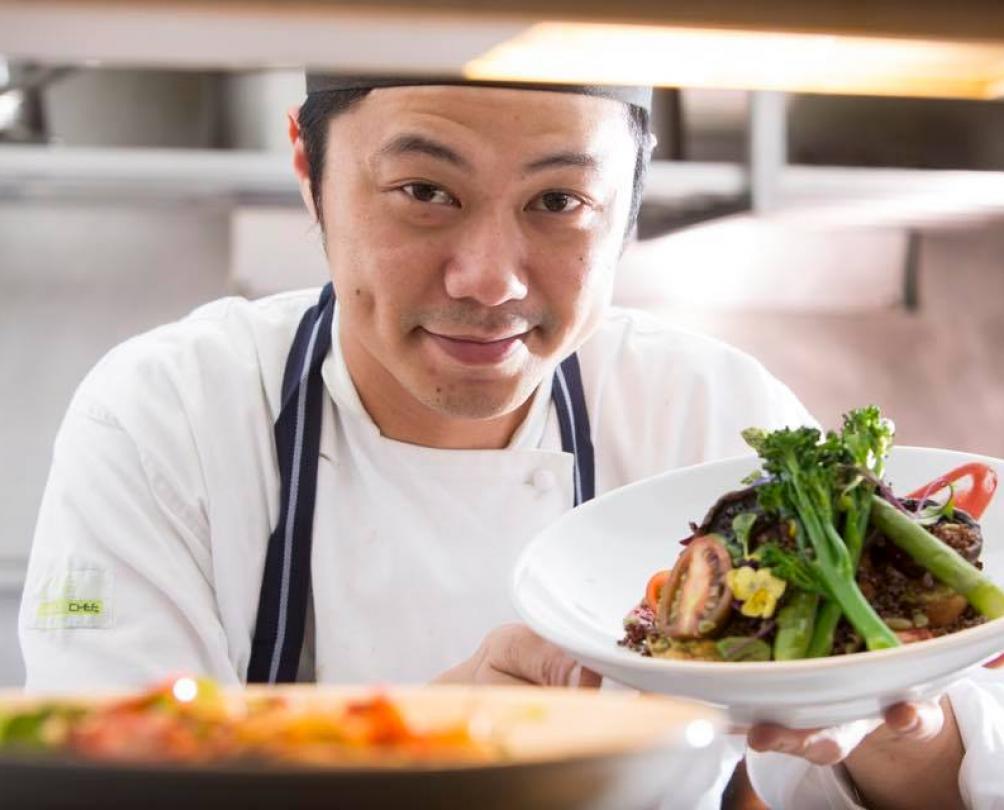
pixel 514 655
pixel 910 760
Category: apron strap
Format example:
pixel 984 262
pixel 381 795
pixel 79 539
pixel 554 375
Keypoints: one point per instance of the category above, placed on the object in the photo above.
pixel 282 605
pixel 285 588
pixel 573 420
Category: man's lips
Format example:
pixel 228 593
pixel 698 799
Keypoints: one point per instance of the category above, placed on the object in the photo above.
pixel 477 350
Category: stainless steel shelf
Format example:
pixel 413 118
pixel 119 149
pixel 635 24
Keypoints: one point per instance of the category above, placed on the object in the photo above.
pixel 821 195
pixel 68 171
pixel 53 171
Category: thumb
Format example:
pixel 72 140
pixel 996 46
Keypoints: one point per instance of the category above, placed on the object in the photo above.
pixel 584 678
pixel 520 653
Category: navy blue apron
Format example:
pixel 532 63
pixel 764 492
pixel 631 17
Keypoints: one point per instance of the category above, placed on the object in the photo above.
pixel 285 588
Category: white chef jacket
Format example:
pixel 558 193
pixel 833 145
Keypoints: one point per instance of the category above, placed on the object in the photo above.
pixel 151 539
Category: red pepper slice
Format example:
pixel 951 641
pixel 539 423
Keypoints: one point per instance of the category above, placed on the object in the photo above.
pixel 973 500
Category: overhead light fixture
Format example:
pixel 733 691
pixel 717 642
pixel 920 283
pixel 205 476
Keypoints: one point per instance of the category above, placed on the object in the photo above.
pixel 748 60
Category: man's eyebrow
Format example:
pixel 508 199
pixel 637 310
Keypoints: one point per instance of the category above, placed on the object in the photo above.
pixel 560 160
pixel 410 143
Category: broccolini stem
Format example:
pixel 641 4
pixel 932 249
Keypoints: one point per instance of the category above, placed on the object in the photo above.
pixel 855 526
pixel 834 567
pixel 861 615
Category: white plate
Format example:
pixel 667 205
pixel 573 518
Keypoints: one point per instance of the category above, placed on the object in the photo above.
pixel 575 582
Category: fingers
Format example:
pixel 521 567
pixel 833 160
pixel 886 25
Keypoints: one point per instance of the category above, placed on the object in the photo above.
pixel 826 746
pixel 772 737
pixel 817 746
pixel 513 654
pixel 516 652
pixel 915 721
pixel 902 722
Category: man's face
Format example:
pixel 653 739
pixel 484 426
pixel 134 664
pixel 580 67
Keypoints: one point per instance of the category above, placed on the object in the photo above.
pixel 472 236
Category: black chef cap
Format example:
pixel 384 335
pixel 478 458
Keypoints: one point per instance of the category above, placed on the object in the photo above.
pixel 320 82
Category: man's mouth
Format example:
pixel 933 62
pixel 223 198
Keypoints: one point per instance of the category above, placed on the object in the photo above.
pixel 478 350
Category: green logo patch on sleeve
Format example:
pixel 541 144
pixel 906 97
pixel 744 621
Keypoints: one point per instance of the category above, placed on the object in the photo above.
pixel 75 598
pixel 71 607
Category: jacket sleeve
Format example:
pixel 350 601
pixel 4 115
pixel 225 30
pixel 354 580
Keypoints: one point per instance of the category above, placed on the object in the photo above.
pixel 119 587
pixel 978 703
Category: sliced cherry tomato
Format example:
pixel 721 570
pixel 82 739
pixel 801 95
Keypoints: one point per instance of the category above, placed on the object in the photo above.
pixel 695 600
pixel 973 500
pixel 654 588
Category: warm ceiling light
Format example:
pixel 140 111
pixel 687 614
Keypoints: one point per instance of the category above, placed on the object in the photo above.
pixel 685 57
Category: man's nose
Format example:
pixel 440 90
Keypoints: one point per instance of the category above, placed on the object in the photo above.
pixel 487 263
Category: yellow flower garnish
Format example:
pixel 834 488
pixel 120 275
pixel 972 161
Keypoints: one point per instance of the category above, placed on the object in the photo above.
pixel 740 582
pixel 758 590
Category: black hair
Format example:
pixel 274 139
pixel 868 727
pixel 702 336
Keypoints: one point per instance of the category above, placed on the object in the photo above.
pixel 319 108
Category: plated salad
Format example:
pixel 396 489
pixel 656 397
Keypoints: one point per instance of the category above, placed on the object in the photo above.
pixel 816 556
pixel 193 721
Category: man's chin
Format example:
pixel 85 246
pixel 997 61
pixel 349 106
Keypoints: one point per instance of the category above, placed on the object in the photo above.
pixel 479 400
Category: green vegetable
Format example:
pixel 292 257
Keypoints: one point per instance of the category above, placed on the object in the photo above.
pixel 742 525
pixel 42 727
pixel 866 438
pixel 939 558
pixel 24 728
pixel 789 567
pixel 809 475
pixel 794 626
pixel 930 515
pixel 743 648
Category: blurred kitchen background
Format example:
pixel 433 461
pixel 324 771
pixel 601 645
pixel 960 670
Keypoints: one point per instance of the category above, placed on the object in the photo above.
pixel 850 233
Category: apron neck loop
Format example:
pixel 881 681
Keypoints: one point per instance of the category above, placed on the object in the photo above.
pixel 573 421
pixel 285 590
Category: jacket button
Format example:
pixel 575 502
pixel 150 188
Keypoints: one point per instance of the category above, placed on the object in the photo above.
pixel 543 480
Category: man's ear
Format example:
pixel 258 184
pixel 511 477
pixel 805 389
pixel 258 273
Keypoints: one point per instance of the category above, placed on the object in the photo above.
pixel 301 166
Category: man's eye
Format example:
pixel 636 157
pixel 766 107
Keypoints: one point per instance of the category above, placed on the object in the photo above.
pixel 428 193
pixel 556 202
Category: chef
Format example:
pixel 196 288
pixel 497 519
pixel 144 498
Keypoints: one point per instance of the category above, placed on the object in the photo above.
pixel 335 484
